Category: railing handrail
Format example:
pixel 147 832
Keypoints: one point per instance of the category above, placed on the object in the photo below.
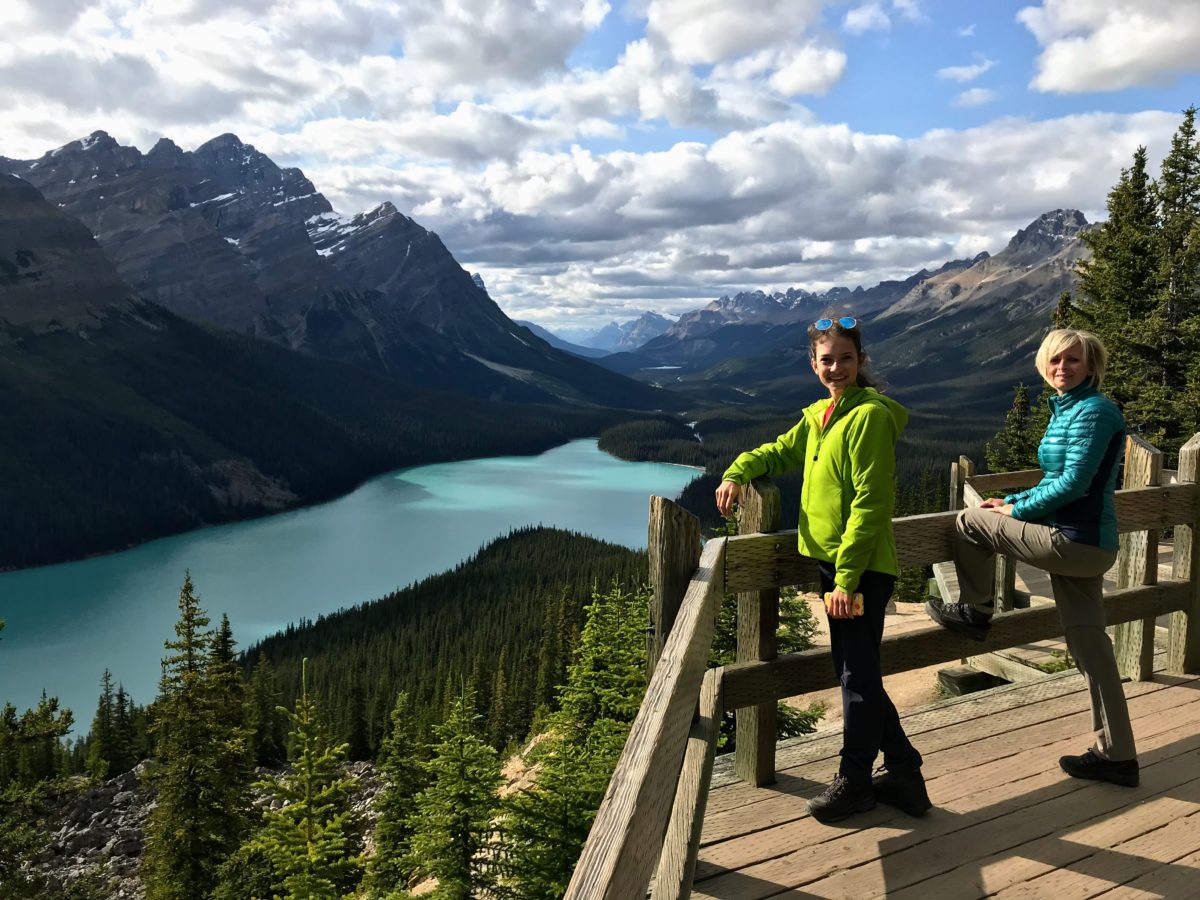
pixel 623 847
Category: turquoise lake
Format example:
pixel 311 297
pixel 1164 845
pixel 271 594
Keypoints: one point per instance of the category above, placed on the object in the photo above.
pixel 66 623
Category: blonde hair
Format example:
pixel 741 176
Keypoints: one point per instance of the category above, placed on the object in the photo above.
pixel 1095 357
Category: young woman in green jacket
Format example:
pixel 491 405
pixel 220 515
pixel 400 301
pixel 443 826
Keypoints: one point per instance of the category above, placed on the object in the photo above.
pixel 1067 526
pixel 846 446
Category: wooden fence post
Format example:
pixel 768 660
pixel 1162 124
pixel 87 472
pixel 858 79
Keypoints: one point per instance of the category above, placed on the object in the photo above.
pixel 674 551
pixel 758 621
pixel 956 487
pixel 1137 563
pixel 1183 647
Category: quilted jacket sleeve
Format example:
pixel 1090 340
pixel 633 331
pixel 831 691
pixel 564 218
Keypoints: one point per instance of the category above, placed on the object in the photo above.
pixel 1091 430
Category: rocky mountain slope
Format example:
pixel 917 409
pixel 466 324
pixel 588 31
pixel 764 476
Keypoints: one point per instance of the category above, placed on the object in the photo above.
pixel 617 337
pixel 965 331
pixel 223 235
pixel 122 421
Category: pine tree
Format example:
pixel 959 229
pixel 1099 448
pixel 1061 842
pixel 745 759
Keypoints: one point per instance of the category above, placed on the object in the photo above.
pixel 400 765
pixel 1178 194
pixel 202 801
pixel 499 724
pixel 312 841
pixel 103 737
pixel 265 722
pixel 1015 446
pixel 452 827
pixel 545 826
pixel 1140 292
pixel 608 677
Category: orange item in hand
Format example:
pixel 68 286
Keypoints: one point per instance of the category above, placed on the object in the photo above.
pixel 856 603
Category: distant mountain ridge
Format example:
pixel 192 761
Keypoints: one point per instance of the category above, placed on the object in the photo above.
pixel 629 335
pixel 223 235
pixel 986 313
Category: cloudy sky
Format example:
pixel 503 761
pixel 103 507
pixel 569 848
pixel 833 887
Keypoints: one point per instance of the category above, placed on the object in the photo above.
pixel 595 158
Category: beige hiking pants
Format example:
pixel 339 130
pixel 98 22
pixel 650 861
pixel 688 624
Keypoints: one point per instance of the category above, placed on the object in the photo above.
pixel 1076 572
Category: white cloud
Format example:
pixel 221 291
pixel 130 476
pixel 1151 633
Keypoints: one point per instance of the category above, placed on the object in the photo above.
pixel 975 97
pixel 868 17
pixel 967 30
pixel 809 70
pixel 910 9
pixel 1104 45
pixel 966 73
pixel 712 31
pixel 790 203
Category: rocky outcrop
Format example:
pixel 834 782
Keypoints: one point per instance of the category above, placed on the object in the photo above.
pixel 52 272
pixel 100 831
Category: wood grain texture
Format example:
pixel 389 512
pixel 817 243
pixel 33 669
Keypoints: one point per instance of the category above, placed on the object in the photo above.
pixel 1183 645
pixel 1009 482
pixel 799 673
pixel 674 551
pixel 761 561
pixel 676 866
pixel 1137 563
pixel 757 624
pixel 623 847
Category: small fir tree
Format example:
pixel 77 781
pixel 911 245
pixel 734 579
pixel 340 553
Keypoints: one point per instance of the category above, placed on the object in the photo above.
pixel 202 802
pixel 403 773
pixel 312 842
pixel 452 828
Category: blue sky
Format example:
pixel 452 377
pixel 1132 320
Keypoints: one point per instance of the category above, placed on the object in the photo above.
pixel 596 158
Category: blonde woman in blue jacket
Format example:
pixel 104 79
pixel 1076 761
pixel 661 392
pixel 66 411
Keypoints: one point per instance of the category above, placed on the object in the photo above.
pixel 1067 526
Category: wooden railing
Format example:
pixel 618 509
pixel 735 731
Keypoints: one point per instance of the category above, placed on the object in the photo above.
pixel 646 833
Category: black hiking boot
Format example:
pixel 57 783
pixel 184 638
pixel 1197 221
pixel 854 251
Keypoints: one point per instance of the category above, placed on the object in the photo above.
pixel 903 790
pixel 842 799
pixel 961 618
pixel 1123 772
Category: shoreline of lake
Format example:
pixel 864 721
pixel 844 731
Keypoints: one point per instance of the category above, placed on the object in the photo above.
pixel 114 610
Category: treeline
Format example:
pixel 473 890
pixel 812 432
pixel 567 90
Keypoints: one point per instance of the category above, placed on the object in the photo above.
pixel 503 623
pixel 1140 294
pixel 130 433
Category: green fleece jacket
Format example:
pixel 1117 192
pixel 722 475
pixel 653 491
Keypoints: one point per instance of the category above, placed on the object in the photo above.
pixel 848 495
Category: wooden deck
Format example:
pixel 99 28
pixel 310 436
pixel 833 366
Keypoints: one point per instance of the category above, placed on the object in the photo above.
pixel 1007 822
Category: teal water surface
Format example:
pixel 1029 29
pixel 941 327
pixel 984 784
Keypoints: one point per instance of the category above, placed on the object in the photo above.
pixel 67 623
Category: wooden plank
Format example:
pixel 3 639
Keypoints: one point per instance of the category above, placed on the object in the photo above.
pixel 956 486
pixel 674 551
pixel 992 811
pixel 1009 482
pixel 1137 563
pixel 1156 507
pixel 1176 880
pixel 1183 643
pixel 623 847
pixel 971 497
pixel 999 752
pixel 884 851
pixel 757 624
pixel 1104 854
pixel 677 865
pixel 799 673
pixel 760 561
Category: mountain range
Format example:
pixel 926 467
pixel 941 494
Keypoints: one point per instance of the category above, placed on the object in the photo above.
pixel 223 235
pixel 125 419
pixel 969 326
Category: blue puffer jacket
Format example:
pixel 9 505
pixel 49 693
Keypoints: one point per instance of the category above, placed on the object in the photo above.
pixel 1079 455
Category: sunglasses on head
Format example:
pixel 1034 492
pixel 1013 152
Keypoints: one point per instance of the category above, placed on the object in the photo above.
pixel 826 324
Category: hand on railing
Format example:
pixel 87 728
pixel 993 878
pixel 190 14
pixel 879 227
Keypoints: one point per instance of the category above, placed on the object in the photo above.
pixel 727 495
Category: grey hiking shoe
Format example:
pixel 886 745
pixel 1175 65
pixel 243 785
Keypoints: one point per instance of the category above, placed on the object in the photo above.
pixel 1090 765
pixel 961 618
